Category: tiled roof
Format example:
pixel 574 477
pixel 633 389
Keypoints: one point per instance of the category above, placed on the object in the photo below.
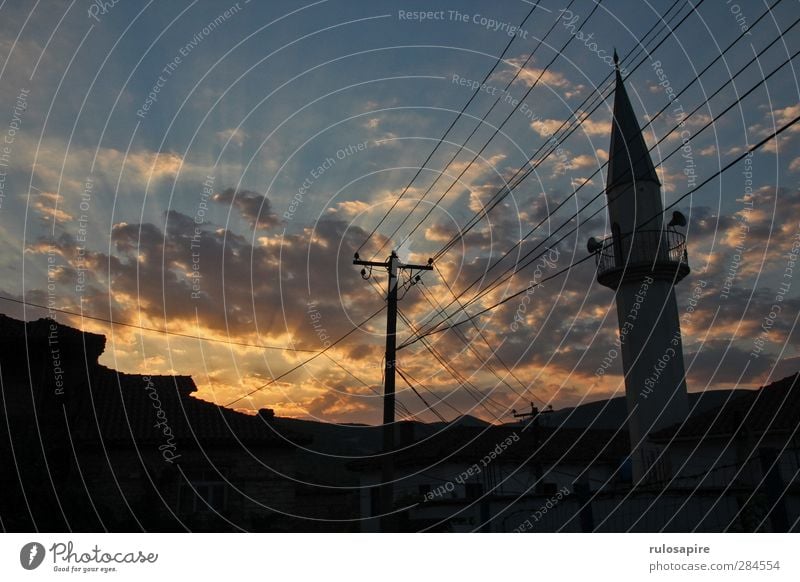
pixel 123 407
pixel 774 408
pixel 39 330
pixel 131 405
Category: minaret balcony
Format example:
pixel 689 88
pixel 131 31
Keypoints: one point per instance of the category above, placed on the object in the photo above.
pixel 660 254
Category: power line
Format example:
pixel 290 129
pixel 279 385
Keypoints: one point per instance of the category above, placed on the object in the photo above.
pixel 498 128
pixel 558 207
pixel 517 268
pixel 575 123
pixel 529 90
pixel 457 376
pixel 432 393
pixel 497 198
pixel 572 126
pixel 475 129
pixel 456 299
pixel 209 339
pixel 439 329
pixel 528 168
pixel 468 386
pixel 306 361
pixel 447 131
pixel 420 396
pixel 485 340
pixel 484 362
pixel 575 263
pixel 406 412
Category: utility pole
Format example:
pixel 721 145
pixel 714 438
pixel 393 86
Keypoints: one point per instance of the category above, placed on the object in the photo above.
pixel 531 419
pixel 534 413
pixel 393 266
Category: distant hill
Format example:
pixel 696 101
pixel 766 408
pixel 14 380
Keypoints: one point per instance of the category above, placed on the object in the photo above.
pixel 611 414
pixel 466 420
pixel 333 439
pixel 361 439
pixel 356 440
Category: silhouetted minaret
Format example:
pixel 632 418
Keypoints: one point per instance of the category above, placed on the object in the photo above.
pixel 642 261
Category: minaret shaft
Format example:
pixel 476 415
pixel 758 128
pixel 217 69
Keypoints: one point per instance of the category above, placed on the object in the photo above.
pixel 652 358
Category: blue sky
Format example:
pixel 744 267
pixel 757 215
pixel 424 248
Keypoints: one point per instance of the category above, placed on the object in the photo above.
pixel 303 122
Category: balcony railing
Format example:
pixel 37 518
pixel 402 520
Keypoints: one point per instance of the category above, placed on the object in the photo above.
pixel 661 251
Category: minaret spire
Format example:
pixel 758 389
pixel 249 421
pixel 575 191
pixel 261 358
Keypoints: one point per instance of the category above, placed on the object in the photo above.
pixel 642 261
pixel 628 157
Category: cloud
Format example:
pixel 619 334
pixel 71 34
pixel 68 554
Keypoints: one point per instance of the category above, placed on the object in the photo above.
pixel 234 135
pixel 590 127
pixel 699 120
pixel 773 120
pixel 350 208
pixel 243 292
pixel 583 161
pixel 261 293
pixel 61 165
pixel 530 74
pixel 145 164
pixel 722 364
pixel 786 115
pixel 777 144
pixel 47 204
pixel 255 208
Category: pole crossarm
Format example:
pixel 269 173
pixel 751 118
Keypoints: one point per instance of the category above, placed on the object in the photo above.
pixel 386 264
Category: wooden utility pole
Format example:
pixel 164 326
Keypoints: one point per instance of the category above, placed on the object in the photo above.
pixel 393 266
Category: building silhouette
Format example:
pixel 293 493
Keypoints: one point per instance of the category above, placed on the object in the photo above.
pixel 87 448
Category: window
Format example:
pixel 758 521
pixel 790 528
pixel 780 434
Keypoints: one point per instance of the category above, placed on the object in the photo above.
pixel 210 496
pixel 545 488
pixel 617 242
pixel 205 492
pixel 375 501
pixel 473 490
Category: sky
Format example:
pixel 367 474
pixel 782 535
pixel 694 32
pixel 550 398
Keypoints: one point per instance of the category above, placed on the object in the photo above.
pixel 210 168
